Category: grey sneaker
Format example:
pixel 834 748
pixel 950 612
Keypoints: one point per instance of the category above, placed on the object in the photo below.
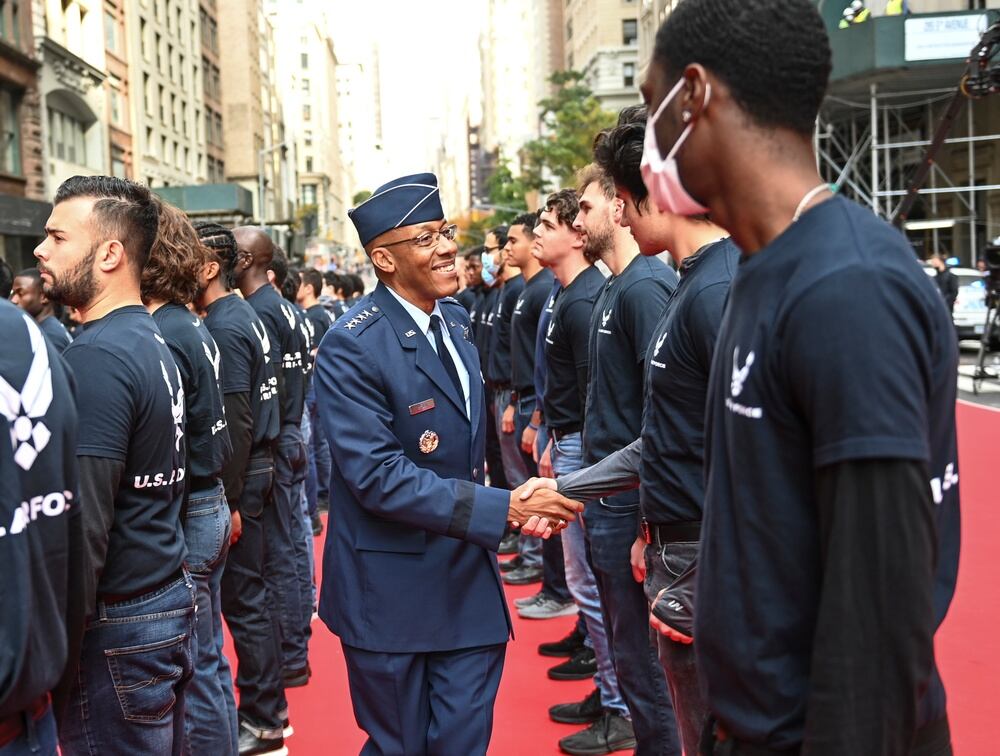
pixel 547 608
pixel 529 600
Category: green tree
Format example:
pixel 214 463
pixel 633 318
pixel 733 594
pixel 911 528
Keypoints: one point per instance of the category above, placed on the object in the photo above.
pixel 360 197
pixel 571 119
pixel 506 193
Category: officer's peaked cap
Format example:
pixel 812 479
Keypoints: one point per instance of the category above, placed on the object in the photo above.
pixel 405 201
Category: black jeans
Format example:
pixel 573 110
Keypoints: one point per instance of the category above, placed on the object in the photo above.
pixel 246 607
pixel 664 564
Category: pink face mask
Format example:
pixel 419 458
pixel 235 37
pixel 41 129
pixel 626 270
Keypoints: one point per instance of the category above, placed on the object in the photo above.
pixel 659 174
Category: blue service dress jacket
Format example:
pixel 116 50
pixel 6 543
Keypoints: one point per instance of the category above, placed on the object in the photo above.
pixel 409 563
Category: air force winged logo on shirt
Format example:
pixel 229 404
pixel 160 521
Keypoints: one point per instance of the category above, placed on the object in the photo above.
pixel 289 315
pixel 29 435
pixel 176 404
pixel 740 374
pixel 216 360
pixel 265 342
pixel 659 344
pixel 605 317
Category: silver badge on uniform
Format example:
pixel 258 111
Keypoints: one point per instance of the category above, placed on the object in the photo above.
pixel 428 441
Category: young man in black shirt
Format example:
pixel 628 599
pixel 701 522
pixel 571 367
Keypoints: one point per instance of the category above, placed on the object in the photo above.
pixel 169 284
pixel 473 273
pixel 250 394
pixel 567 354
pixel 621 328
pixel 40 534
pixel 318 478
pixel 131 451
pixel 667 461
pixel 281 521
pixel 29 296
pixel 831 463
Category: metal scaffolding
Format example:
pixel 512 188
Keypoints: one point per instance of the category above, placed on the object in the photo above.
pixel 869 151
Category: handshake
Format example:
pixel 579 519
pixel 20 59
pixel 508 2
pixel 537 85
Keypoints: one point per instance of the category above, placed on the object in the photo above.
pixel 539 510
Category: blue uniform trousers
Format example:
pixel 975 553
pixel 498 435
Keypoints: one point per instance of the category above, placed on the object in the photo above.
pixel 425 703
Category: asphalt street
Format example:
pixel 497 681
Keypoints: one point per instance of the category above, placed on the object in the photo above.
pixel 989 391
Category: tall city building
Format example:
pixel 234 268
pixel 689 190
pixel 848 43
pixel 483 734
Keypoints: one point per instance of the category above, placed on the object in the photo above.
pixel 602 41
pixel 118 90
pixel 359 106
pixel 211 121
pixel 71 44
pixel 165 72
pixel 652 14
pixel 306 73
pixel 253 132
pixel 22 168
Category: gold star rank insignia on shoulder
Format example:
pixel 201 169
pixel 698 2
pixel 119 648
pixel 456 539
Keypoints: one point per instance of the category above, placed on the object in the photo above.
pixel 428 441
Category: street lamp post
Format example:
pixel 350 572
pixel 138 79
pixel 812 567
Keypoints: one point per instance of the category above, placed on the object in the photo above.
pixel 261 154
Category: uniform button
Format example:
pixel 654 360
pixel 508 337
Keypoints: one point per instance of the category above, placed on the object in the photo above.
pixel 374 309
pixel 475 472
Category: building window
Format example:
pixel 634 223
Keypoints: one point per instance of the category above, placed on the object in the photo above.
pixel 305 86
pixel 309 139
pixel 630 32
pixel 116 105
pixel 309 165
pixel 218 129
pixel 307 112
pixel 308 194
pixel 144 38
pixel 118 167
pixel 150 143
pixel 305 60
pixel 67 137
pixel 628 74
pixel 111 31
pixel 10 142
pixel 569 29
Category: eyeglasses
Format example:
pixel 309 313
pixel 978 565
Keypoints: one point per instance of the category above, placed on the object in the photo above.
pixel 430 238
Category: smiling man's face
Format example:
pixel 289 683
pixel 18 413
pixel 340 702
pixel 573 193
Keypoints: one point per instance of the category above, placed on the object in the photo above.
pixel 425 273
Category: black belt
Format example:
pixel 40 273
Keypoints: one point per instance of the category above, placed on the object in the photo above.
pixel 519 394
pixel 198 483
pixel 559 433
pixel 659 535
pixel 116 598
pixel 12 726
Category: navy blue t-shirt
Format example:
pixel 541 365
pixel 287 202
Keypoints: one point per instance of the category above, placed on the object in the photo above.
pixel 200 362
pixel 541 369
pixel 246 362
pixel 524 330
pixel 56 333
pixel 287 350
pixel 483 327
pixel 498 369
pixel 38 507
pixel 835 346
pixel 130 398
pixel 621 327
pixel 567 352
pixel 320 320
pixel 678 365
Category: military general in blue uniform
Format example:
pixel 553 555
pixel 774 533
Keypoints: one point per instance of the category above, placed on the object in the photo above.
pixel 410 579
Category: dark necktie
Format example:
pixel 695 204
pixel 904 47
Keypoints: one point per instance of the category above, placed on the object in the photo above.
pixel 445 356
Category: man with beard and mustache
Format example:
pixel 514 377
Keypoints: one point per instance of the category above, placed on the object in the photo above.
pixel 135 661
pixel 621 327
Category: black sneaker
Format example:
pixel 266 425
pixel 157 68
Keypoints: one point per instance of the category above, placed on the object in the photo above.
pixel 569 646
pixel 509 544
pixel 610 733
pixel 296 678
pixel 323 505
pixel 317 525
pixel 255 741
pixel 523 576
pixel 511 564
pixel 580 667
pixel 586 711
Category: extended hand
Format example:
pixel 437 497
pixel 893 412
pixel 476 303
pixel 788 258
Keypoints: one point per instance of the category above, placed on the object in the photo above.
pixel 528 441
pixel 552 510
pixel 526 489
pixel 507 422
pixel 545 462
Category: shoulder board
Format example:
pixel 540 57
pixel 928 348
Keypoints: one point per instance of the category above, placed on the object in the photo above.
pixel 358 319
pixel 450 300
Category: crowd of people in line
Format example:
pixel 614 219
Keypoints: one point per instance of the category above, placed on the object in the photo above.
pixel 735 462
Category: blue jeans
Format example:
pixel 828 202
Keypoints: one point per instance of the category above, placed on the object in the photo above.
pixel 318 477
pixel 289 582
pixel 247 605
pixel 567 457
pixel 135 666
pixel 611 526
pixel 664 564
pixel 210 716
pixel 517 465
pixel 38 739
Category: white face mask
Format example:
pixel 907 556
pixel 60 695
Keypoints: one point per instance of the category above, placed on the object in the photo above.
pixel 660 175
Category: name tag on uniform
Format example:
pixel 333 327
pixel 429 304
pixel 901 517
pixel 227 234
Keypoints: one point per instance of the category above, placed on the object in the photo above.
pixel 416 409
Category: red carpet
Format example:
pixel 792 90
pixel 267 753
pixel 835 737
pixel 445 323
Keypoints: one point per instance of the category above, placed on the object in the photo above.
pixel 968 644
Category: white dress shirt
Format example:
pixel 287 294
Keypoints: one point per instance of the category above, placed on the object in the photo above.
pixel 423 321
